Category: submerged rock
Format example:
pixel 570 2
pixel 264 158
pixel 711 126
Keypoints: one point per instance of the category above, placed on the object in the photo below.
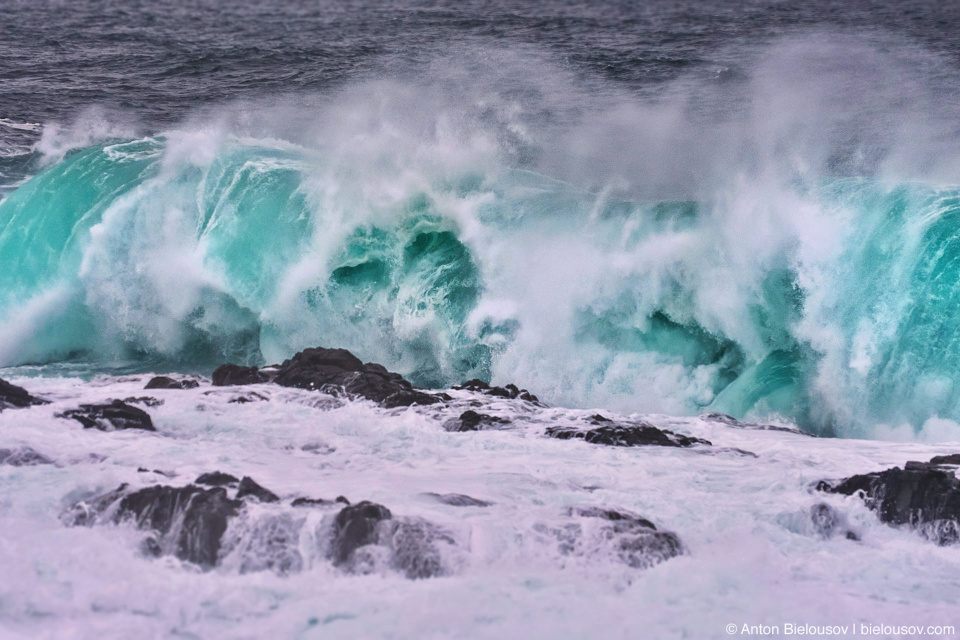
pixel 146 401
pixel 922 495
pixel 164 382
pixel 596 532
pixel 472 421
pixel 14 397
pixel 318 502
pixel 354 527
pixel 23 457
pixel 608 432
pixel 233 374
pixel 106 417
pixel 828 522
pixel 415 547
pixel 458 500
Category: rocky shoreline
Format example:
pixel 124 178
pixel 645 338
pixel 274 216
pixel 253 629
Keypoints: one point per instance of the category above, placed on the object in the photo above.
pixel 219 515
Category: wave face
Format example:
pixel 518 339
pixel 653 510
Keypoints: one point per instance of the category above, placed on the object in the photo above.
pixel 499 235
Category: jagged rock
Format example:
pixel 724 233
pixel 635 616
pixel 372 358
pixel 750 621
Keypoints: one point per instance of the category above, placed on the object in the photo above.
pixel 510 391
pixel 827 522
pixel 217 479
pixel 472 421
pixel 233 374
pixel 354 527
pixel 189 522
pixel 318 502
pixel 105 417
pixel 144 400
pixel 458 500
pixel 14 397
pixel 922 495
pixel 315 369
pixel 164 382
pixel 608 432
pixel 23 457
pixel 250 488
pixel 595 531
pixel 953 459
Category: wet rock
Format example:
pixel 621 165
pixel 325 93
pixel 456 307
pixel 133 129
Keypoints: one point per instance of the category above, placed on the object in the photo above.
pixel 106 417
pixel 217 479
pixel 318 502
pixel 510 391
pixel 828 522
pixel 953 459
pixel 187 522
pixel 14 397
pixel 320 369
pixel 249 488
pixel 233 374
pixel 160 472
pixel 473 421
pixel 608 432
pixel 354 527
pixel 164 382
pixel 23 457
pixel 458 500
pixel 596 532
pixel 922 495
pixel 248 397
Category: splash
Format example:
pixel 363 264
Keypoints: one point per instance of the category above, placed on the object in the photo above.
pixel 755 249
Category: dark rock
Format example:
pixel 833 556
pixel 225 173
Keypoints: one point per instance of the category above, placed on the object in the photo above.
pixel 166 474
pixel 458 500
pixel 472 421
pixel 14 397
pixel 953 459
pixel 144 400
pixel 217 479
pixel 510 391
pixel 318 502
pixel 827 522
pixel 116 415
pixel 634 540
pixel 625 435
pixel 922 496
pixel 250 488
pixel 321 369
pixel 188 522
pixel 23 457
pixel 248 397
pixel 163 382
pixel 233 374
pixel 356 526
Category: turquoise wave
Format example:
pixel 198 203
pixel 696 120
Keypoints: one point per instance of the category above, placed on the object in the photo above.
pixel 835 308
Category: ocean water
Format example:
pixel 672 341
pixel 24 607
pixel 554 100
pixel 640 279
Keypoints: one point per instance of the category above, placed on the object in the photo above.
pixel 658 209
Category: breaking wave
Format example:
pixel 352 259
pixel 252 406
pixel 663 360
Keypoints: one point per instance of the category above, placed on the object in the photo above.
pixel 778 243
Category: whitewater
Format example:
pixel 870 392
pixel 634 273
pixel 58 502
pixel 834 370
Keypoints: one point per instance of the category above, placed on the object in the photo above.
pixel 751 269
